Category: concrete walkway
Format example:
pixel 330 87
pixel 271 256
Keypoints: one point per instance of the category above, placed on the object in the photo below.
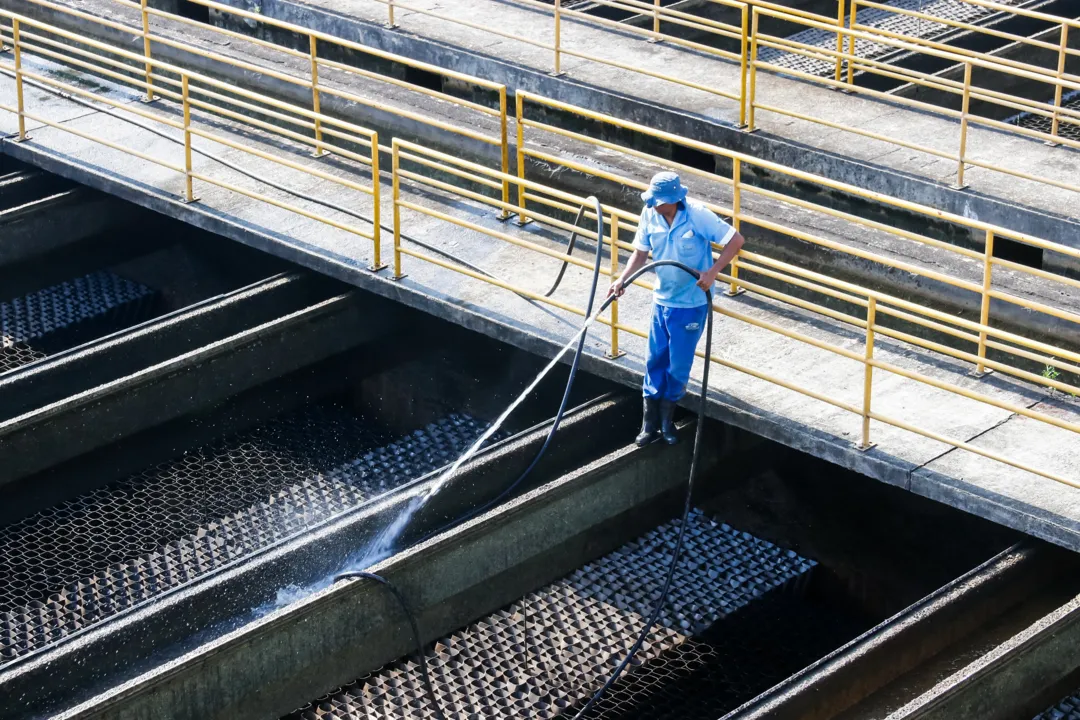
pixel 1026 502
pixel 863 113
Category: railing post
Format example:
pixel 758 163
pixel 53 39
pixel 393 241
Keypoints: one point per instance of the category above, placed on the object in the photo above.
pixel 396 166
pixel 390 14
pixel 376 214
pixel 1062 55
pixel 558 38
pixel 185 94
pixel 743 60
pixel 520 116
pixel 21 107
pixel 841 13
pixel 316 104
pixel 736 222
pixel 504 138
pixel 984 312
pixel 3 47
pixel 851 42
pixel 657 35
pixel 868 377
pixel 963 127
pixel 149 67
pixel 615 351
pixel 753 73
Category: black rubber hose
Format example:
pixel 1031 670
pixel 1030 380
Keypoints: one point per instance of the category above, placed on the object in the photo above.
pixel 558 418
pixel 574 364
pixel 412 624
pixel 570 251
pixel 694 458
pixel 687 504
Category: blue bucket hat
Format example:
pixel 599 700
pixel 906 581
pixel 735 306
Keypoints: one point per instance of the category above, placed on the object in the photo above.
pixel 666 187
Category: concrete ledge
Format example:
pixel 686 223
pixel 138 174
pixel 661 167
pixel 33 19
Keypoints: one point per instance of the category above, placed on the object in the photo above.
pixel 967 203
pixel 23 186
pixel 118 649
pixel 112 357
pixel 275 664
pixel 53 222
pixel 1012 679
pixel 901 643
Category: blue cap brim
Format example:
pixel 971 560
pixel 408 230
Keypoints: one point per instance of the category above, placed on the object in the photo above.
pixel 652 199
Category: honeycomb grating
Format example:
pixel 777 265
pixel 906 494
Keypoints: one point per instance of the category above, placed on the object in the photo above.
pixel 955 10
pixel 86 560
pixel 735 660
pixel 541 655
pixel 60 316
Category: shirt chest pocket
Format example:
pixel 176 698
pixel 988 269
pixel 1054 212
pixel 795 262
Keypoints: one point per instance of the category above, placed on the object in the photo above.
pixel 688 243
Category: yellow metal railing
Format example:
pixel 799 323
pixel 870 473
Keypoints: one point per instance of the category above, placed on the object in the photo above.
pixel 964 91
pixel 712 30
pixel 1057 52
pixel 872 304
pixel 314 80
pixel 188 100
pixel 741 190
pixel 842 57
pixel 746 38
pixel 186 89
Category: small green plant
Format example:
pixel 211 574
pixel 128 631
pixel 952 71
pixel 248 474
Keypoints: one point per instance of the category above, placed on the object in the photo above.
pixel 1052 373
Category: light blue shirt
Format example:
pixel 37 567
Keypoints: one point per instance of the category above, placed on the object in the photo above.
pixel 688 241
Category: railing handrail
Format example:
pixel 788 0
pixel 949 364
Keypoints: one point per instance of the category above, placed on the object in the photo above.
pixel 902 44
pixel 494 180
pixel 875 302
pixel 773 166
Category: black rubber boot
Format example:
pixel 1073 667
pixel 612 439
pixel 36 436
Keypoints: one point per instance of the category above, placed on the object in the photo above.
pixel 650 424
pixel 667 422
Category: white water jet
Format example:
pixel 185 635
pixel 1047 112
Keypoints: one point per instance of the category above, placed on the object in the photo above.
pixel 384 544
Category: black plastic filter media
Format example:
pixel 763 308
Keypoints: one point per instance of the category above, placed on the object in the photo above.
pixel 1066 709
pixel 61 316
pixel 1070 130
pixel 545 654
pixel 85 560
pixel 899 23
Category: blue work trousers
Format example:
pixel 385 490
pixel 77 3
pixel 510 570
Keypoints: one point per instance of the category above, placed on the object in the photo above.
pixel 673 338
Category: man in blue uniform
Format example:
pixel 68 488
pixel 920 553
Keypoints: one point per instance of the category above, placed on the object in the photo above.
pixel 673 227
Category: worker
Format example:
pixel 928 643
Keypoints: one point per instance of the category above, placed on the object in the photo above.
pixel 673 227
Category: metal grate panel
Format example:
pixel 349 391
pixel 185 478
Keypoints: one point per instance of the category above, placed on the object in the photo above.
pixel 63 315
pixel 734 661
pixel 88 559
pixel 543 654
